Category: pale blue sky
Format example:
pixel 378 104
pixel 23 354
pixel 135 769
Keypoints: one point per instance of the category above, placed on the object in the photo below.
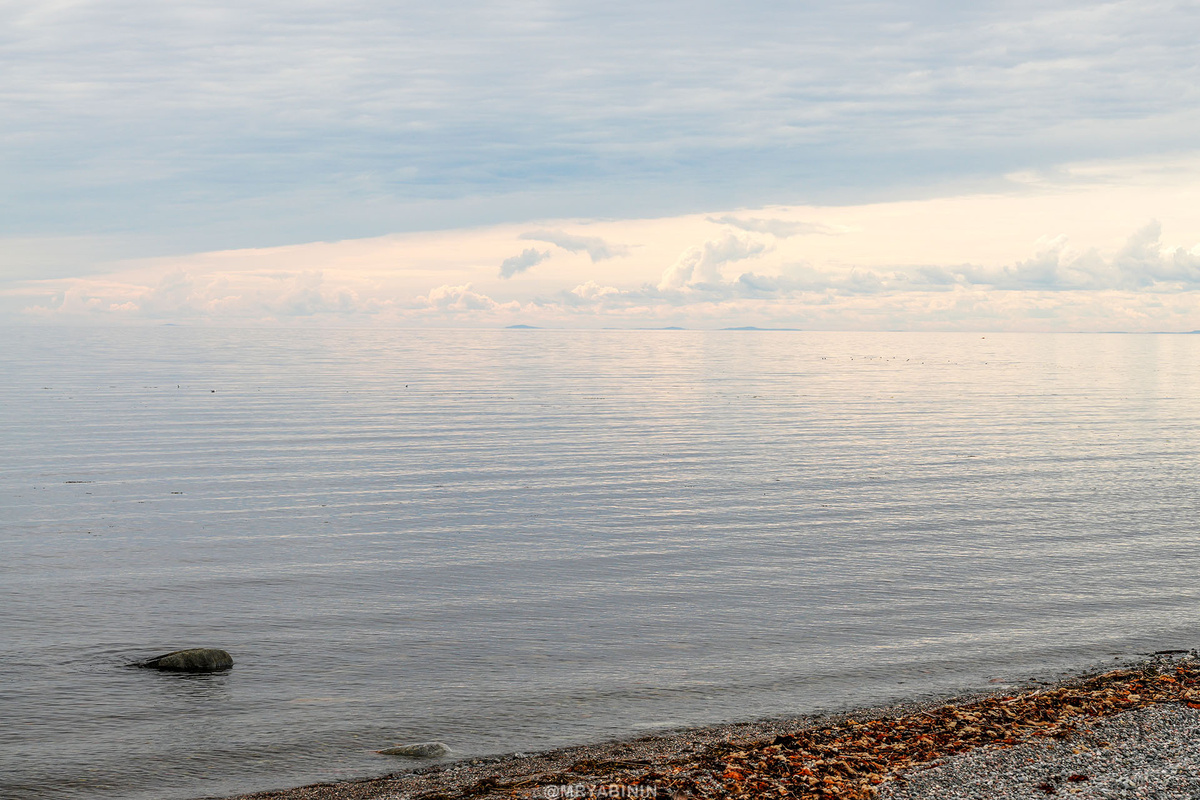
pixel 135 129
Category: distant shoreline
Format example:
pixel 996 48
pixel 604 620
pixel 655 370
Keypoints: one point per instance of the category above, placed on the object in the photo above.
pixel 862 748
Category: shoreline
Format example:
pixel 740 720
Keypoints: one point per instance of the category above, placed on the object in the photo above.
pixel 845 755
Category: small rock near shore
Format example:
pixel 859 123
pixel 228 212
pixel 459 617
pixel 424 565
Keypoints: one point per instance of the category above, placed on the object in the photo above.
pixel 416 750
pixel 196 659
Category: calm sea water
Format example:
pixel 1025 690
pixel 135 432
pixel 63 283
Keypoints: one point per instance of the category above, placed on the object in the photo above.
pixel 509 540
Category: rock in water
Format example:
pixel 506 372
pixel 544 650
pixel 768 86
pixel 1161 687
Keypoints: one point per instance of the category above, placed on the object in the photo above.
pixel 416 750
pixel 197 659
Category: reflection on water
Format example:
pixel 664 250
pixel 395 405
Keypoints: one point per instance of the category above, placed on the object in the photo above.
pixel 509 540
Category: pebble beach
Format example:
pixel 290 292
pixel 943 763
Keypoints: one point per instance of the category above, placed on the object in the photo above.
pixel 1120 733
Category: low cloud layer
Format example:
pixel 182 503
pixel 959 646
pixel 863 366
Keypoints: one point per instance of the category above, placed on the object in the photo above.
pixel 1142 265
pixel 1044 259
pixel 187 296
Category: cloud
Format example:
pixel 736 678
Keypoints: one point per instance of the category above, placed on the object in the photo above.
pixel 779 228
pixel 593 291
pixel 1140 270
pixel 528 258
pixel 1142 264
pixel 457 298
pixel 595 247
pixel 462 299
pixel 678 275
pixel 702 264
pixel 238 124
pixel 183 295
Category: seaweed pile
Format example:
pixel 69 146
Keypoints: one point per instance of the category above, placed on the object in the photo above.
pixel 846 760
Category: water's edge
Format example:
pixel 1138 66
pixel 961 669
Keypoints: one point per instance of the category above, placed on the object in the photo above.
pixel 445 776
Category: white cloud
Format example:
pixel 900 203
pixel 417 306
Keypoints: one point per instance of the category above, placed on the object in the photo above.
pixel 462 299
pixel 702 264
pixel 594 246
pixel 593 291
pixel 1142 264
pixel 519 263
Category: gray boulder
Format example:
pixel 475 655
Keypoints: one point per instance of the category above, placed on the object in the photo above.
pixel 416 750
pixel 197 659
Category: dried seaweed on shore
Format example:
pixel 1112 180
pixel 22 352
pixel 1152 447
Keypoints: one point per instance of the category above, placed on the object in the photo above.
pixel 844 757
pixel 848 759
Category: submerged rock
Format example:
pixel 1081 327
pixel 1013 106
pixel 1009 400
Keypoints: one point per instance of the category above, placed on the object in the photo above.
pixel 196 659
pixel 416 750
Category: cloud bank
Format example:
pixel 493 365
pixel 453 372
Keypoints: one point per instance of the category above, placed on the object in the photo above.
pixel 1142 283
pixel 1096 246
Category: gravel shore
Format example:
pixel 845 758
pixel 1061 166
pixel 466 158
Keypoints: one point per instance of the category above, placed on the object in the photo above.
pixel 1125 733
pixel 1151 752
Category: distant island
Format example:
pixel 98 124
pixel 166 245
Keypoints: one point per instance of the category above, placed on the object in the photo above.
pixel 522 328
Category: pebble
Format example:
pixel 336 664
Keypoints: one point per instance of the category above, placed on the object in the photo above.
pixel 1151 753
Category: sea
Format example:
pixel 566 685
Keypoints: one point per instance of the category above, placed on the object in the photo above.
pixel 512 540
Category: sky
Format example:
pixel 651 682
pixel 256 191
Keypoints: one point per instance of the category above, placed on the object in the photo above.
pixel 867 166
